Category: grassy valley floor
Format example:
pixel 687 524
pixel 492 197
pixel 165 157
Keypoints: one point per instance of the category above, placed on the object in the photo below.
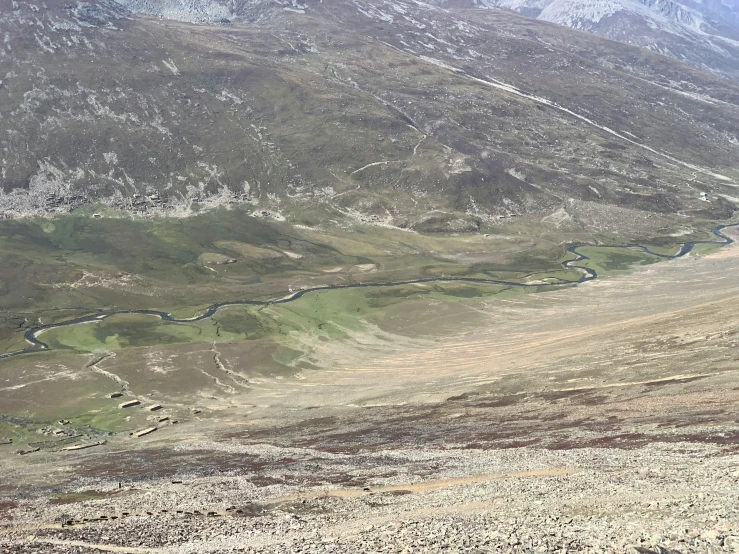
pixel 58 270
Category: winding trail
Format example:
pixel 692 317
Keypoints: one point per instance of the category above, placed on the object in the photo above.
pixel 588 274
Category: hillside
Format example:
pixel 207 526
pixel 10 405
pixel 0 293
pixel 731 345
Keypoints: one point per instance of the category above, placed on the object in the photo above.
pixel 392 113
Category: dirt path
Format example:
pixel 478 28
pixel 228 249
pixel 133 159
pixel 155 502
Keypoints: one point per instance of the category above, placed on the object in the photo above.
pixel 425 486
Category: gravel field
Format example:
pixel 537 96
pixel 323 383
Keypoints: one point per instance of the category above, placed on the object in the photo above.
pixel 675 497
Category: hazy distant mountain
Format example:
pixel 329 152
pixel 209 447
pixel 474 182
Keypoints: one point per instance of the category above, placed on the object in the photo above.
pixel 704 34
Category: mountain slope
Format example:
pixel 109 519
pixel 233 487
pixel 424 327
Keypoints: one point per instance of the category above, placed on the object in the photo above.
pixel 387 112
pixel 702 34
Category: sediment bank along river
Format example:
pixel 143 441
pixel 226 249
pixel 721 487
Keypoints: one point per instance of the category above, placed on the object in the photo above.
pixel 36 345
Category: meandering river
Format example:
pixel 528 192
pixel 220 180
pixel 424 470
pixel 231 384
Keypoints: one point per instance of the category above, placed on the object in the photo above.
pixel 36 345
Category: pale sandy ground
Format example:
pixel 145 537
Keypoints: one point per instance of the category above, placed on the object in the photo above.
pixel 663 321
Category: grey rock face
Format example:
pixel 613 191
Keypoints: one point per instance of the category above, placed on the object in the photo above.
pixel 193 11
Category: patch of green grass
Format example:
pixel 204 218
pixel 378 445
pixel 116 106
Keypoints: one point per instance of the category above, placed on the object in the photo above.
pixel 11 341
pixel 608 260
pixel 133 330
pixel 10 430
pixel 329 312
pixel 704 249
pixel 109 420
pixel 335 313
pixel 664 249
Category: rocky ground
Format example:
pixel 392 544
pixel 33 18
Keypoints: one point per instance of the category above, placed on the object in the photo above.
pixel 673 497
